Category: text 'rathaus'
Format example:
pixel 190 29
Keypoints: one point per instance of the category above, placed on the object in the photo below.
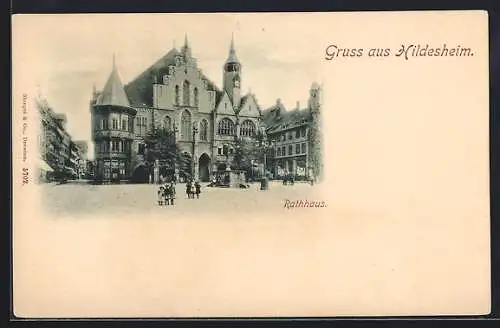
pixel 212 129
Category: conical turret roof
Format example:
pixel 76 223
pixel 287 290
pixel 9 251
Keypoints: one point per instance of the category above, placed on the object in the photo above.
pixel 113 93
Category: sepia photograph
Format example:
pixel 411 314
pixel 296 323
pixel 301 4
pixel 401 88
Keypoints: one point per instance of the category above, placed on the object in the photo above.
pixel 172 133
pixel 250 165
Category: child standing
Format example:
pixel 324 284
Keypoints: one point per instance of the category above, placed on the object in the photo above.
pixel 161 196
pixel 193 189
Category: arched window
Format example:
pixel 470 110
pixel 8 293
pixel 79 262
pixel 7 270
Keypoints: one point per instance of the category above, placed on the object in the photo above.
pixel 167 123
pixel 203 130
pixel 186 125
pixel 185 93
pixel 226 127
pixel 177 95
pixel 247 129
pixel 196 100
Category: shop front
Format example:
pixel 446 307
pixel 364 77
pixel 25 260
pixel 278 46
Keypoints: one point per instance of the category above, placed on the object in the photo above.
pixel 114 170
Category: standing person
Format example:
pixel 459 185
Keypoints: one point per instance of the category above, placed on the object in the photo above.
pixel 169 193
pixel 172 193
pixel 197 186
pixel 161 195
pixel 172 186
pixel 193 189
pixel 188 189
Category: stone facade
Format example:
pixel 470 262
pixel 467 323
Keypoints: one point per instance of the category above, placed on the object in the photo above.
pixel 60 155
pixel 174 94
pixel 295 139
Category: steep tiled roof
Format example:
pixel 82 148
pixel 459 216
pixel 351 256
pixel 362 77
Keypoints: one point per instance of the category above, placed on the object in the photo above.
pixel 281 120
pixel 272 114
pixel 218 96
pixel 113 92
pixel 243 100
pixel 140 90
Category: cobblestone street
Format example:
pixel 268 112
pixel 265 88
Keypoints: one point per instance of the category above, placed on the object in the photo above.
pixel 84 199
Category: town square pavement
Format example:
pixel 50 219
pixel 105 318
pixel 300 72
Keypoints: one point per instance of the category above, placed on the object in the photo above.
pixel 82 199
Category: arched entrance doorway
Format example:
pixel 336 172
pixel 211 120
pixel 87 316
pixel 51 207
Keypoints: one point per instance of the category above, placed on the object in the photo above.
pixel 140 175
pixel 203 168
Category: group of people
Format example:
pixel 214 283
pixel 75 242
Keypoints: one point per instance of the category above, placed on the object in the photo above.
pixel 193 188
pixel 166 194
pixel 288 179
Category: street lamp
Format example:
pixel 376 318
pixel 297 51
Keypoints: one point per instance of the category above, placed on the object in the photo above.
pixel 175 130
pixel 195 131
pixel 264 143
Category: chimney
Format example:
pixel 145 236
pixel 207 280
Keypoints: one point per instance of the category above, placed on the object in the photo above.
pixel 298 105
pixel 278 101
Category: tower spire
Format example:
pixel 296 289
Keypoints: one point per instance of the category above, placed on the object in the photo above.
pixel 114 61
pixel 232 52
pixel 186 50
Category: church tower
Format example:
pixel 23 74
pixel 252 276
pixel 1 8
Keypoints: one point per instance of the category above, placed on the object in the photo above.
pixel 232 76
pixel 315 132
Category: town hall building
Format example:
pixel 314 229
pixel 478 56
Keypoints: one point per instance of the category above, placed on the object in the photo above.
pixel 175 94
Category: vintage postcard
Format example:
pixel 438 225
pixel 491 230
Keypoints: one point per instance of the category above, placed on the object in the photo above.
pixel 250 165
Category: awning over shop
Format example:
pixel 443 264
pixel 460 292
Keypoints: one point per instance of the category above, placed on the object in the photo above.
pixel 44 166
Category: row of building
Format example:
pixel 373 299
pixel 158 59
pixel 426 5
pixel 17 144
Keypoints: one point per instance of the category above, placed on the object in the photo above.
pixel 61 157
pixel 208 121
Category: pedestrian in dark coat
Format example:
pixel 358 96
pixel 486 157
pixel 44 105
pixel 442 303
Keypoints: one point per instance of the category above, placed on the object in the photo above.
pixel 197 187
pixel 188 189
pixel 170 193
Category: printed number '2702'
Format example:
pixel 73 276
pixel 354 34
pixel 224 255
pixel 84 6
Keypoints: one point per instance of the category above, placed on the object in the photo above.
pixel 25 176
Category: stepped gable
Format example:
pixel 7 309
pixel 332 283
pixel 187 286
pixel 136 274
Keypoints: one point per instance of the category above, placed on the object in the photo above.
pixel 140 90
